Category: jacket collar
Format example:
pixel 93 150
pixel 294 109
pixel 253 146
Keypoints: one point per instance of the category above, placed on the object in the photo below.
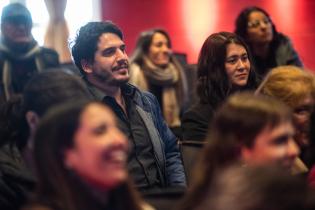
pixel 126 89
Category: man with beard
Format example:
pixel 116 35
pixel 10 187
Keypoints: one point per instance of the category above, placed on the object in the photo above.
pixel 20 55
pixel 154 160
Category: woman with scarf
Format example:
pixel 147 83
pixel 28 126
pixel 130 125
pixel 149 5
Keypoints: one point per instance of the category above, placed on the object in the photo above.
pixel 154 68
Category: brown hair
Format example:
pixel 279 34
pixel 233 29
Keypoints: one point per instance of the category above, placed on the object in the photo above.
pixel 237 123
pixel 59 187
pixel 264 188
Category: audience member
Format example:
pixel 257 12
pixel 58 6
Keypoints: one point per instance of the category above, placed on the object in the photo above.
pixel 43 91
pixel 251 129
pixel 269 47
pixel 80 157
pixel 310 151
pixel 154 68
pixel 296 88
pixel 20 55
pixel 263 188
pixel 224 67
pixel 16 181
pixel 154 159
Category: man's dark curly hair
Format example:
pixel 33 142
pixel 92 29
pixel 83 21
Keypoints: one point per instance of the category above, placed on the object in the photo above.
pixel 85 44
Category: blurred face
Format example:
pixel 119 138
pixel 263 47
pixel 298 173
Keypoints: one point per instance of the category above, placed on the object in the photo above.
pixel 259 29
pixel 237 65
pixel 110 64
pixel 99 153
pixel 301 119
pixel 17 30
pixel 159 51
pixel 273 146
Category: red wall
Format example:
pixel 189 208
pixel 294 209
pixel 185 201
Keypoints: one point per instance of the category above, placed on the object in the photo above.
pixel 189 22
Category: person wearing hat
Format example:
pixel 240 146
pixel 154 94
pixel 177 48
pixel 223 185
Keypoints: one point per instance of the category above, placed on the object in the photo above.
pixel 20 55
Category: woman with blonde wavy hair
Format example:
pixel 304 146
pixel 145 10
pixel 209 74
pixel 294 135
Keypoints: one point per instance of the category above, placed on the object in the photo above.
pixel 296 88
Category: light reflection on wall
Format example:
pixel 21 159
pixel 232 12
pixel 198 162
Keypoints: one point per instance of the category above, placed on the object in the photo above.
pixel 200 20
pixel 284 13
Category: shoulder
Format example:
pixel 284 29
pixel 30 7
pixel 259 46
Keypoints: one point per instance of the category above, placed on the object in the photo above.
pixel 283 40
pixel 195 122
pixel 48 51
pixel 50 56
pixel 132 89
pixel 201 111
pixel 137 76
pixel 134 67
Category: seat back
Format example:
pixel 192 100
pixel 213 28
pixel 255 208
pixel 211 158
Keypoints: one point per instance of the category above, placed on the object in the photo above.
pixel 190 150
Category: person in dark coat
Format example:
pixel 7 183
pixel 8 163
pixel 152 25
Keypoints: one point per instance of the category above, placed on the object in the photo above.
pixel 20 55
pixel 19 117
pixel 16 181
pixel 154 158
pixel 269 47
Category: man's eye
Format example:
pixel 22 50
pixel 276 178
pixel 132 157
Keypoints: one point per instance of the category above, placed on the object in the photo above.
pixel 123 48
pixel 109 52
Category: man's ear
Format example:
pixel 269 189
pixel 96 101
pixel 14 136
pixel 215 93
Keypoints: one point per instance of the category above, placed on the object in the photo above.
pixel 32 120
pixel 86 66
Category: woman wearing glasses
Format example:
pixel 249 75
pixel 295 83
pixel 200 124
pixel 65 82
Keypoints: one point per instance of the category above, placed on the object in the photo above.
pixel 269 47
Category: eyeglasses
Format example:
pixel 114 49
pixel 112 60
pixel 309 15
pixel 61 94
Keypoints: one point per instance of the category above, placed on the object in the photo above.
pixel 258 23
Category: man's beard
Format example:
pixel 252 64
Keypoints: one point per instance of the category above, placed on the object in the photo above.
pixel 108 79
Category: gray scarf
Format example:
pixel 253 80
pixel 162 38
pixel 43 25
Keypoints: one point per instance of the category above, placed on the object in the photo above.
pixel 160 76
pixel 6 72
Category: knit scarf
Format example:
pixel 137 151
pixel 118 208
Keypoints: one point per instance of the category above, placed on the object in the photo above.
pixel 174 88
pixel 32 51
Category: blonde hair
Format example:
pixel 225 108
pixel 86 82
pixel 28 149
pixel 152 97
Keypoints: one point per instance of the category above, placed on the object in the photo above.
pixel 289 84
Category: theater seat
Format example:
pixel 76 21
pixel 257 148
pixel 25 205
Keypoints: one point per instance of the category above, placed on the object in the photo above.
pixel 164 199
pixel 190 151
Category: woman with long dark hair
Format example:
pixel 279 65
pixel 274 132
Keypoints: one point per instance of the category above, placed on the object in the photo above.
pixel 224 67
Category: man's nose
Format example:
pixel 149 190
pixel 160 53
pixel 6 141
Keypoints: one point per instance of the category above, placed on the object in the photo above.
pixel 121 55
